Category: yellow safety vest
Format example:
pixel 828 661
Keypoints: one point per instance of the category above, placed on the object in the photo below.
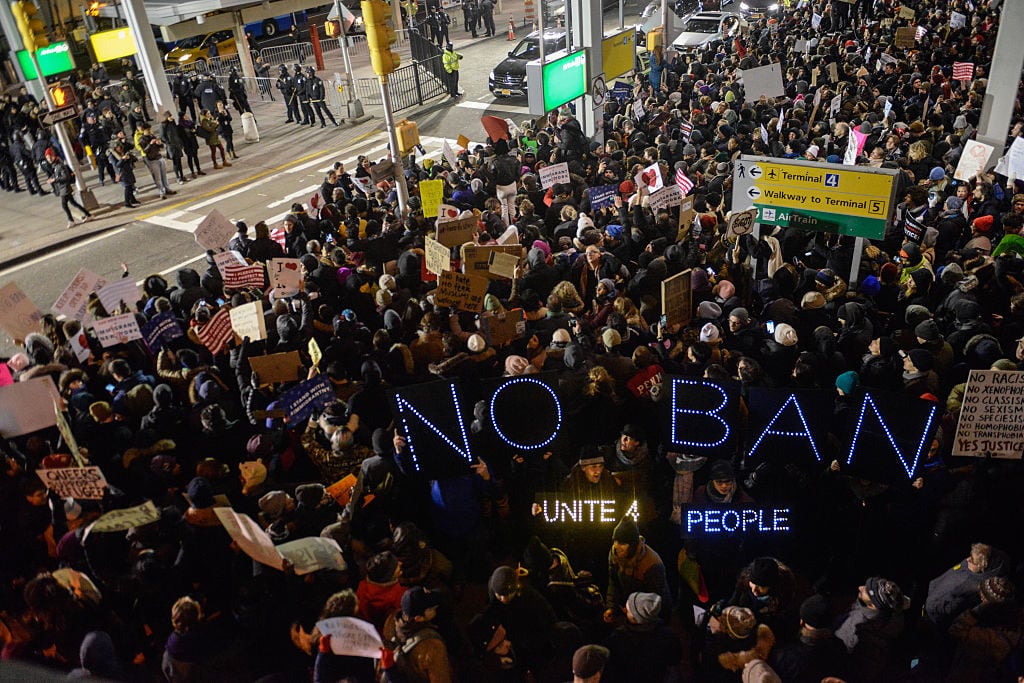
pixel 450 59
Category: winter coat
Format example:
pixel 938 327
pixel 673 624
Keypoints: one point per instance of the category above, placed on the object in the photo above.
pixel 421 655
pixel 817 654
pixel 378 600
pixel 956 589
pixel 643 573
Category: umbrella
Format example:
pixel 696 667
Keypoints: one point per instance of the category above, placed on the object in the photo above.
pixel 497 128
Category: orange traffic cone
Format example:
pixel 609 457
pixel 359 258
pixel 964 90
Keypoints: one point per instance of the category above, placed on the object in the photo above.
pixel 511 29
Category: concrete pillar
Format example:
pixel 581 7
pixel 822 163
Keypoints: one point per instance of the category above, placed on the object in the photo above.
pixel 1001 94
pixel 148 57
pixel 242 45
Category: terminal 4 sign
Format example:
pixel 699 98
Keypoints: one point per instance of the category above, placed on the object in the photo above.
pixel 847 200
pixel 562 78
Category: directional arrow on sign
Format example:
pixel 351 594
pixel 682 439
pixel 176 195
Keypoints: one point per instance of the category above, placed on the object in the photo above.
pixel 755 171
pixel 753 193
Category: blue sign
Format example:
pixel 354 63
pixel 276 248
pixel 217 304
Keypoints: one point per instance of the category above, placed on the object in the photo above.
pixel 602 196
pixel 621 90
pixel 160 330
pixel 300 401
pixel 831 180
pixel 712 521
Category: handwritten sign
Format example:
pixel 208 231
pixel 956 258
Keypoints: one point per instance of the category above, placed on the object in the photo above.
pixel 562 509
pixel 711 521
pixel 277 367
pixel 118 329
pixel 476 259
pixel 431 196
pixel 957 20
pixel 26 407
pixel 449 155
pixel 72 300
pixel 351 637
pixel 121 291
pixel 973 160
pixel 438 256
pixel 457 232
pixel 253 541
pixel 602 196
pixel 18 315
pixel 763 80
pixel 499 328
pixel 670 195
pixel 224 259
pixel 555 173
pixel 464 292
pixel 85 483
pixel 161 329
pixel 503 265
pixel 686 216
pixel 992 415
pixel 285 276
pixel 126 518
pixel 906 12
pixel 216 334
pixel 301 400
pixel 312 554
pixel 241 277
pixel 906 37
pixel 741 222
pixel 447 212
pixel 676 298
pixel 214 231
pixel 247 321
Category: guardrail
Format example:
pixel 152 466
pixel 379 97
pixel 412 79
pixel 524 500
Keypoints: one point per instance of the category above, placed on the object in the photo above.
pixel 411 85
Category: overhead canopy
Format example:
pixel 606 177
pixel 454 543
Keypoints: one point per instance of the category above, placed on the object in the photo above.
pixel 177 20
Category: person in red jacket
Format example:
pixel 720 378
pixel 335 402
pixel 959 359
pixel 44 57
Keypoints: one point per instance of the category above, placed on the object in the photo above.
pixel 379 593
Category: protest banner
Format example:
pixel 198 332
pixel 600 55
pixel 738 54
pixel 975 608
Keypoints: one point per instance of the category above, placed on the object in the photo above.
pixel 499 328
pixel 313 553
pixel 247 321
pixel 449 155
pixel 973 160
pixel 216 334
pixel 18 315
pixel 476 259
pixel 763 80
pixel 455 233
pixel 277 367
pixel 447 212
pixel 503 265
pixel 125 519
pixel 118 329
pixel 364 184
pixel 992 415
pixel 431 196
pixel 602 196
pixel 285 276
pixel 906 12
pixel 214 231
pixel 464 292
pixel 381 171
pixel 906 37
pixel 741 222
pixel 438 256
pixel 351 637
pixel 85 483
pixel 224 259
pixel 253 541
pixel 553 174
pixel 122 291
pixel 686 216
pixel 72 300
pixel 161 329
pixel 676 299
pixel 243 277
pixel 300 401
pixel 669 195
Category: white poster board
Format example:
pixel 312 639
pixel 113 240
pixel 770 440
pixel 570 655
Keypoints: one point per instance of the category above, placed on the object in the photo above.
pixel 214 231
pixel 992 415
pixel 118 329
pixel 71 302
pixel 253 541
pixel 352 637
pixel 247 321
pixel 285 276
pixel 120 290
pixel 555 173
pixel 85 483
pixel 973 160
pixel 26 407
pixel 125 518
pixel 764 80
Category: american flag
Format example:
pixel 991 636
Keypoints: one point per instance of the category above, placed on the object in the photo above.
pixel 686 128
pixel 963 71
pixel 216 334
pixel 683 182
pixel 239 277
pixel 921 32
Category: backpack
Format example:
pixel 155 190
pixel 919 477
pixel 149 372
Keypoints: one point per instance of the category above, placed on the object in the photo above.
pixel 506 170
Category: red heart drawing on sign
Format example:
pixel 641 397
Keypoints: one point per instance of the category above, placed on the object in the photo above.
pixel 291 266
pixel 83 341
pixel 650 178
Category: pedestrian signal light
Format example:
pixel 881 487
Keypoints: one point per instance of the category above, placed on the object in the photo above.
pixel 380 36
pixel 331 28
pixel 31 28
pixel 408 136
pixel 62 95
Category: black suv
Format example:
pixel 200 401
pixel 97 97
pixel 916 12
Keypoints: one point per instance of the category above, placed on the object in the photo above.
pixel 509 78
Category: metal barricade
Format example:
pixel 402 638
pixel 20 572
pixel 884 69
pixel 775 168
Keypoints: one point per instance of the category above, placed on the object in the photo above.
pixel 411 85
pixel 287 54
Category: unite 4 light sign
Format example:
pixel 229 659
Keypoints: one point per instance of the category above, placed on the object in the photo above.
pixel 884 439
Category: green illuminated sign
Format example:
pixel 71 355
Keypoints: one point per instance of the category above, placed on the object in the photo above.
pixel 564 79
pixel 53 59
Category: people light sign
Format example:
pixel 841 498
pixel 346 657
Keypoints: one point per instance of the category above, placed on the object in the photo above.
pixel 562 78
pixel 743 521
pixel 815 196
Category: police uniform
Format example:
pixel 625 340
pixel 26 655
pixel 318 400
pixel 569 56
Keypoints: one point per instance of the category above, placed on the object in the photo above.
pixel 315 94
pixel 286 85
pixel 300 89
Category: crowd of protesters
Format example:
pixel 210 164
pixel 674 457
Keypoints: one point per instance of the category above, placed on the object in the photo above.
pixel 892 581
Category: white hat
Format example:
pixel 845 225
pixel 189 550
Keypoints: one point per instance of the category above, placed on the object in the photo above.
pixel 709 332
pixel 476 343
pixel 785 335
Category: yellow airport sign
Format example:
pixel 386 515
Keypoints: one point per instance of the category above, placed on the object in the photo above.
pixel 618 53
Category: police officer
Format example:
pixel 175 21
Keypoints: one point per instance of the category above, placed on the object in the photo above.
pixel 450 60
pixel 315 94
pixel 300 90
pixel 236 88
pixel 286 85
pixel 209 92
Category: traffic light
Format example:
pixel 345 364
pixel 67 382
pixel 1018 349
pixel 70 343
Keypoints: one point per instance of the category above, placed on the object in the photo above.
pixel 331 29
pixel 33 32
pixel 62 94
pixel 380 36
pixel 408 136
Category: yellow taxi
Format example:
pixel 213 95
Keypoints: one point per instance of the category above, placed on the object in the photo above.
pixel 197 49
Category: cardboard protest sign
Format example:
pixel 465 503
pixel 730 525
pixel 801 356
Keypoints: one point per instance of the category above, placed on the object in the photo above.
pixel 462 141
pixel 833 72
pixel 741 222
pixel 686 216
pixel 247 321
pixel 214 231
pixel 122 291
pixel 906 37
pixel 72 300
pixel 253 541
pixel 464 292
pixel 449 155
pixel 300 401
pixel 677 298
pixel 66 434
pixel 313 553
pixel 431 196
pixel 85 483
pixel 555 173
pixel 381 171
pixel 242 277
pixel 906 12
pixel 125 519
pixel 835 105
pixel 992 415
pixel 277 367
pixel 503 265
pixel 227 258
pixel 161 329
pixel 216 334
pixel 973 160
pixel 457 232
pixel 602 196
pixel 476 259
pixel 118 329
pixel 499 328
pixel 437 255
pixel 764 80
pixel 670 195
pixel 18 315
pixel 285 276
pixel 351 637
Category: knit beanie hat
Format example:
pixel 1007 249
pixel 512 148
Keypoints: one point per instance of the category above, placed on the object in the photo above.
pixel 885 594
pixel 709 332
pixel 709 310
pixel 785 335
pixel 740 314
pixel 928 331
pixel 997 589
pixel 738 622
pixel 922 360
pixel 645 607
pixel 611 338
pixel 626 532
pixel 764 571
pixel 812 300
pixel 814 612
pixel 848 382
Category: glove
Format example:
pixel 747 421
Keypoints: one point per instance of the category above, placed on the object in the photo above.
pixel 387 658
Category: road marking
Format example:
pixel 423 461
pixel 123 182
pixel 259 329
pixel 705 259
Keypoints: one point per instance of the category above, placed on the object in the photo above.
pixel 511 109
pixel 64 250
